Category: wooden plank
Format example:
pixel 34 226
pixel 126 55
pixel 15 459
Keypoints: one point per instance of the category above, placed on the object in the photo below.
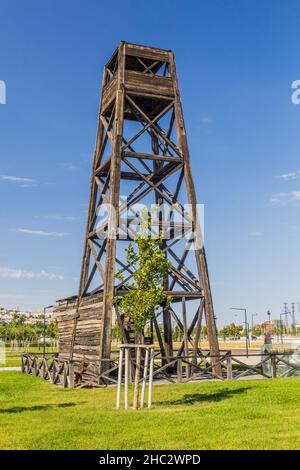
pixel 150 156
pixel 109 93
pixel 137 81
pixel 147 52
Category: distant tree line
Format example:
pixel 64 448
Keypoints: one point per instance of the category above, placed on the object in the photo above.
pixel 20 334
pixel 177 333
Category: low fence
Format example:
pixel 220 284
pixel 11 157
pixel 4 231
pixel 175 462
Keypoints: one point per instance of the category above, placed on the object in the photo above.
pixel 68 373
pixel 236 366
pixel 49 368
pixel 188 368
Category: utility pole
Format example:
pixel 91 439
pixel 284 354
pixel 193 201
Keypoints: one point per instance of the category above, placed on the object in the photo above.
pixel 246 326
pixel 44 329
pixel 269 322
pixel 281 326
pixel 252 316
pixel 286 312
pixel 293 315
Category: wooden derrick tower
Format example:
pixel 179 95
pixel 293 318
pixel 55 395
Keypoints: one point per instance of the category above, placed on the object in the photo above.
pixel 141 156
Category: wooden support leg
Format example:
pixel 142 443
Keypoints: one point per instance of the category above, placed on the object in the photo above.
pixel 186 341
pixel 71 375
pixel 179 370
pixel 137 379
pixel 229 366
pixel 145 377
pixel 119 378
pixel 274 366
pixel 151 378
pixel 126 378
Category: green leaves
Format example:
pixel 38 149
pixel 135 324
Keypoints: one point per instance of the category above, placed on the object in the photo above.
pixel 150 266
pixel 231 330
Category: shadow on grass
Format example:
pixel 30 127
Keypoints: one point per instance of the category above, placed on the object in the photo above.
pixel 193 398
pixel 20 409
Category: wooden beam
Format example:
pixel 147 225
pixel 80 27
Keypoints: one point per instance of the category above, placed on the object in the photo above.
pixel 115 173
pixel 150 156
pixel 191 194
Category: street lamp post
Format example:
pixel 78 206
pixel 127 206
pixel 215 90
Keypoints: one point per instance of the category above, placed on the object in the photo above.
pixel 246 326
pixel 269 321
pixel 44 329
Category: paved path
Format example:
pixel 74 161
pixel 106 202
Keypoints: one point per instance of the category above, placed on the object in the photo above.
pixel 253 358
pixel 6 369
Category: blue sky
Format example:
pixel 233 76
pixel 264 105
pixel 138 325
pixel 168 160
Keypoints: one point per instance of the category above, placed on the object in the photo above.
pixel 236 61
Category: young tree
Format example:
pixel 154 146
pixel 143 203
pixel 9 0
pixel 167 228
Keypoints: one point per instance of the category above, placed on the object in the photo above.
pixel 204 331
pixel 231 330
pixel 145 294
pixel 257 330
pixel 3 331
pixel 17 319
pixel 116 333
pixel 52 331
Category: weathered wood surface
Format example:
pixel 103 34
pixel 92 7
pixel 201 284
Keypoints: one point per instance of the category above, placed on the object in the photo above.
pixel 88 329
pixel 109 92
pixel 57 371
pixel 156 85
pixel 147 52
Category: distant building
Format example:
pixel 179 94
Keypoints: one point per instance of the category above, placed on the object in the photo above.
pixel 6 316
pixel 273 326
pixel 267 327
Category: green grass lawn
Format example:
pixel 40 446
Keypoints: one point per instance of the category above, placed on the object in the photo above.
pixel 12 361
pixel 12 358
pixel 262 414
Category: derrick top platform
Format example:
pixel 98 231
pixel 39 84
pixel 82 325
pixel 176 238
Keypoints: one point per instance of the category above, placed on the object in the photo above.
pixel 144 72
pixel 138 50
